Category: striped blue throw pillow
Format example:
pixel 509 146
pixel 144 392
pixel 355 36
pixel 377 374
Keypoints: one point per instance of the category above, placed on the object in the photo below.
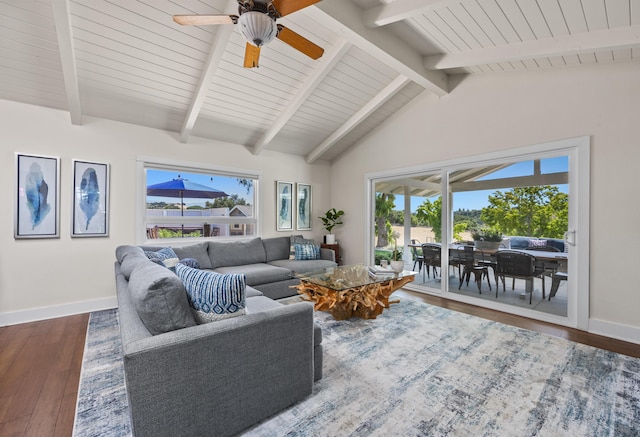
pixel 213 296
pixel 162 254
pixel 306 251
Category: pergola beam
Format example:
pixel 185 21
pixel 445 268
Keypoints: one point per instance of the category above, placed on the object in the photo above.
pixel 215 56
pixel 345 19
pixel 67 58
pixel 325 65
pixel 521 181
pixel 373 104
pixel 564 45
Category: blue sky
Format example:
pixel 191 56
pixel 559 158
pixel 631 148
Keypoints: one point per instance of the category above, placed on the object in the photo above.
pixel 478 199
pixel 227 184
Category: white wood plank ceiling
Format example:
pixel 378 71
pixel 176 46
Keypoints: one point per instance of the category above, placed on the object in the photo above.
pixel 127 60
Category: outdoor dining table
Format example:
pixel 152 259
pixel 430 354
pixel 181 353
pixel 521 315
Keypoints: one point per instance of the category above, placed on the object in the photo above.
pixel 538 254
pixel 554 260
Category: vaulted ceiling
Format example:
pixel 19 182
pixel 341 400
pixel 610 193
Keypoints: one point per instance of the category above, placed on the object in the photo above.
pixel 127 60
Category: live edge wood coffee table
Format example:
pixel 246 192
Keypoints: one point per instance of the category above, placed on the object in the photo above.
pixel 348 291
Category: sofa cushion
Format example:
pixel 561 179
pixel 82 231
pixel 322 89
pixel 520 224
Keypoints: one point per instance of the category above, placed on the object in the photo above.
pixel 213 296
pixel 252 292
pixel 297 266
pixel 259 304
pixel 129 258
pixel 159 298
pixel 306 251
pixel 260 273
pixel 276 248
pixel 236 253
pixel 196 251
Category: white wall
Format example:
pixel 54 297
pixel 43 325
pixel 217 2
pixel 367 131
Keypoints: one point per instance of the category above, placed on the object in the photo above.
pixel 44 278
pixel 495 112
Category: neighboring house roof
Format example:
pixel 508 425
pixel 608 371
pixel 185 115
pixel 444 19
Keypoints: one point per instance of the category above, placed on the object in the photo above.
pixel 241 210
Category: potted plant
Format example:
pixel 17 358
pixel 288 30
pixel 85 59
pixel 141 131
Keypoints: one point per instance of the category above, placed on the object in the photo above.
pixel 397 264
pixel 330 220
pixel 487 239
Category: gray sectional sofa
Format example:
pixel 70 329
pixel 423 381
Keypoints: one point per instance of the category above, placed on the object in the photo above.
pixel 218 378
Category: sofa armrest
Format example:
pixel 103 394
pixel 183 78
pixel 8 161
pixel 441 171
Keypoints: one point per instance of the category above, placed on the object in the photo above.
pixel 220 378
pixel 327 254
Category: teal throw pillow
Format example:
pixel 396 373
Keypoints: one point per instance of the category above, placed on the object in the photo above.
pixel 298 239
pixel 306 251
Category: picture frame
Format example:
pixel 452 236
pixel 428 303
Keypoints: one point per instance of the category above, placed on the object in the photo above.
pixel 90 208
pixel 284 206
pixel 37 197
pixel 304 199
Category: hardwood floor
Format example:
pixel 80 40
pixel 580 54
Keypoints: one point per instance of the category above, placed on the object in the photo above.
pixel 40 365
pixel 39 373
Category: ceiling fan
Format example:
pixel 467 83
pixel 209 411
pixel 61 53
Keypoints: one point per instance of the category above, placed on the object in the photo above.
pixel 257 20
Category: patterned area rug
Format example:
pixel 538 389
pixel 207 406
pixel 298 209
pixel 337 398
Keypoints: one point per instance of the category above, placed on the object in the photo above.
pixel 417 370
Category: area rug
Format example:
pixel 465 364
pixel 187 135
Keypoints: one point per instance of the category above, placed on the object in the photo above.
pixel 417 370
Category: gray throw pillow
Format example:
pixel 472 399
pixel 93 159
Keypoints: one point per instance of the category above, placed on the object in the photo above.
pixel 160 299
pixel 197 251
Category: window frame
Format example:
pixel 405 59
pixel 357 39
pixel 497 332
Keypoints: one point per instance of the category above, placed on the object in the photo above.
pixel 143 163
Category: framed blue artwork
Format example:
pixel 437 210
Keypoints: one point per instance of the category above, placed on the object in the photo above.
pixel 90 212
pixel 284 206
pixel 303 200
pixel 37 198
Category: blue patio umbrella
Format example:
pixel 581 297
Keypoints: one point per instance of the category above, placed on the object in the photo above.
pixel 184 188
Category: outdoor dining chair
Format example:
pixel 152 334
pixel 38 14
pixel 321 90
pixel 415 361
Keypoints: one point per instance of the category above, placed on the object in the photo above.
pixel 471 260
pixel 431 255
pixel 417 258
pixel 516 265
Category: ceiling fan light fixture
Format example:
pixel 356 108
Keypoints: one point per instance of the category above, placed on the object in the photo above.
pixel 258 28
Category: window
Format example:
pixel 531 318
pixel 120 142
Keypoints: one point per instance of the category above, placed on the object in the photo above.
pixel 189 202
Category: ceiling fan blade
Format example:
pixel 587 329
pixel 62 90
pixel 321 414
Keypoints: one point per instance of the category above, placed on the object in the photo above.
pixel 251 56
pixel 286 7
pixel 299 42
pixel 200 20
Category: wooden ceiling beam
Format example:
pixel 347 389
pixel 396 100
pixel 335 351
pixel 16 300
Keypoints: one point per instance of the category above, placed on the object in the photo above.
pixel 563 45
pixel 67 58
pixel 345 19
pixel 215 56
pixel 324 67
pixel 398 11
pixel 389 91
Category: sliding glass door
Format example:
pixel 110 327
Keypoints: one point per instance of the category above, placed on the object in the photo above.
pixel 532 202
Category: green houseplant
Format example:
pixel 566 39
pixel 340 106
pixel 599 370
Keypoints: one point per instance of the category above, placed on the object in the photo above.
pixel 397 264
pixel 330 220
pixel 487 238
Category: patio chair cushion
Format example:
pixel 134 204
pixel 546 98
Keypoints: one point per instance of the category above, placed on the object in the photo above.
pixel 536 243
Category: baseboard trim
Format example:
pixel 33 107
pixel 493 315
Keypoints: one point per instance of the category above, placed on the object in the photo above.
pixel 52 312
pixel 615 330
